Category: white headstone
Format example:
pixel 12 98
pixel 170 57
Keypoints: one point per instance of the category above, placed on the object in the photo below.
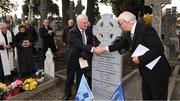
pixel 107 67
pixel 49 67
pixel 15 31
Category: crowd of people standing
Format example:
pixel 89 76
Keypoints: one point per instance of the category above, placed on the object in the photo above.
pixel 24 42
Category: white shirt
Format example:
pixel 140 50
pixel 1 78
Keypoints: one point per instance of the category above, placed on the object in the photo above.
pixel 133 29
pixel 85 38
pixel 84 35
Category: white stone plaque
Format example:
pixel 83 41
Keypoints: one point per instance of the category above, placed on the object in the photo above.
pixel 107 67
pixel 49 67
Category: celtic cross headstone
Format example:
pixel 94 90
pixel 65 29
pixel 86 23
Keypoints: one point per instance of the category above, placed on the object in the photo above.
pixel 107 67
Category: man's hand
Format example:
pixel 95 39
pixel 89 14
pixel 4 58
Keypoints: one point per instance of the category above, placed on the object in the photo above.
pixel 135 60
pixel 99 50
pixel 7 46
pixel 50 32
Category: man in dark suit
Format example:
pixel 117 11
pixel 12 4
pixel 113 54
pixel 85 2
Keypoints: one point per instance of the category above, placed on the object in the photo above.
pixel 80 45
pixel 155 81
pixel 47 34
pixel 66 31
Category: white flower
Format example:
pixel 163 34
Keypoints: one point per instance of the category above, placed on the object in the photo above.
pixel 14 85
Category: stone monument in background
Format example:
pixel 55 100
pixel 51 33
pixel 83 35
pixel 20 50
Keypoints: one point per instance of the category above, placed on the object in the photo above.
pixel 170 40
pixel 43 9
pixel 79 7
pixel 71 10
pixel 49 67
pixel 156 22
pixel 31 12
pixel 107 67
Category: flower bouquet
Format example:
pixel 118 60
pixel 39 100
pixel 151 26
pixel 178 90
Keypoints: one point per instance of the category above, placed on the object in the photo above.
pixel 39 75
pixel 30 84
pixel 14 88
pixel 3 90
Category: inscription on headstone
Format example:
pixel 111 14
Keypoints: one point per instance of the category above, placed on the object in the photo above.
pixel 107 67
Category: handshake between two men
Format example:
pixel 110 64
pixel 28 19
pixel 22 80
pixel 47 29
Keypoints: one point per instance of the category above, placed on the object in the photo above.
pixel 100 50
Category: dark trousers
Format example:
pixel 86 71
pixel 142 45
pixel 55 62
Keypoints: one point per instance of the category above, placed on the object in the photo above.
pixel 88 74
pixel 72 68
pixel 155 91
pixel 51 45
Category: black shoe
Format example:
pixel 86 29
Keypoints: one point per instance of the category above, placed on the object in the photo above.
pixel 66 97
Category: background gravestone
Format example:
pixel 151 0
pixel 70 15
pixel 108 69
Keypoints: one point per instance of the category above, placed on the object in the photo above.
pixel 71 10
pixel 171 40
pixel 156 22
pixel 49 64
pixel 43 9
pixel 31 12
pixel 79 7
pixel 107 67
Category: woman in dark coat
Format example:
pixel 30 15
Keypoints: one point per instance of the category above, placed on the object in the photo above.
pixel 24 43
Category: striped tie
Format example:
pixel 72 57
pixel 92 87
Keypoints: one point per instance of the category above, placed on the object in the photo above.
pixel 83 37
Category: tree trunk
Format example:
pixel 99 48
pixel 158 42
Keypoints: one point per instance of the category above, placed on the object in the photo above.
pixel 90 11
pixel 65 6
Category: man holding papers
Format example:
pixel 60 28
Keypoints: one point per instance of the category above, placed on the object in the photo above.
pixel 148 54
pixel 80 49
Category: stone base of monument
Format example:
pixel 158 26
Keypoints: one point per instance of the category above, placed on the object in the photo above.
pixel 49 82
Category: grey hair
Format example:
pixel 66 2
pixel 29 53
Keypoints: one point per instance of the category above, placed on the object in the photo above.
pixel 127 16
pixel 81 17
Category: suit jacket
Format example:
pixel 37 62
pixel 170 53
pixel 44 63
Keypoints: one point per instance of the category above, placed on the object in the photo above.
pixel 46 38
pixel 147 36
pixel 76 48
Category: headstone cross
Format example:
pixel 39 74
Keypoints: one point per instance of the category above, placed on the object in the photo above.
pixel 156 23
pixel 107 67
pixel 71 10
pixel 79 7
pixel 43 9
pixel 31 12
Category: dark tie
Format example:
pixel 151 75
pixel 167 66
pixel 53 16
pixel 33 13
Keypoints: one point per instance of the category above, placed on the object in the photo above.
pixel 130 39
pixel 83 37
pixel 5 37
